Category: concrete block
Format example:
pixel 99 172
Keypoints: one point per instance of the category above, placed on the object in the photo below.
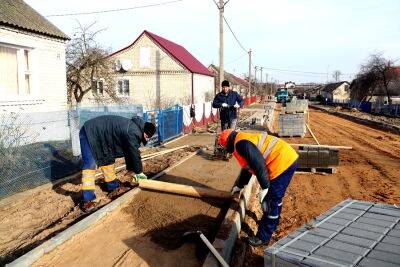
pixel 385 256
pixel 339 221
pixel 358 241
pixel 331 226
pixel 313 238
pixel 380 217
pixel 323 158
pixel 386 211
pixel 347 216
pixel 322 261
pixel 388 248
pixel 361 233
pixel 303 245
pixel 338 254
pixel 394 232
pixel 347 247
pixel 370 262
pixel 353 211
pixel 360 206
pixel 369 227
pixel 391 240
pixel 375 222
pixel 323 232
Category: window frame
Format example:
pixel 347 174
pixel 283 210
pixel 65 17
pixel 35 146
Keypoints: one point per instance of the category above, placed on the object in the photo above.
pixel 123 93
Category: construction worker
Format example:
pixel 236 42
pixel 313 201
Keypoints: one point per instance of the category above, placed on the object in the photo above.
pixel 102 140
pixel 228 102
pixel 274 162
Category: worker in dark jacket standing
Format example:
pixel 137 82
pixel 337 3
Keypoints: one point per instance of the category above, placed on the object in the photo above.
pixel 102 140
pixel 273 162
pixel 228 102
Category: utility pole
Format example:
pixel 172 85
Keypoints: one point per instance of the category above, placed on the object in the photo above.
pixel 221 41
pixel 255 79
pixel 249 71
pixel 261 75
pixel 266 82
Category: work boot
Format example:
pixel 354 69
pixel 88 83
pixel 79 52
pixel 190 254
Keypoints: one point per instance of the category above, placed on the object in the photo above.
pixel 88 206
pixel 256 242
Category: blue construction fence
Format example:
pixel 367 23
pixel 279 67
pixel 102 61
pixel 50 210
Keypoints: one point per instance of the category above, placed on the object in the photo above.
pixel 368 107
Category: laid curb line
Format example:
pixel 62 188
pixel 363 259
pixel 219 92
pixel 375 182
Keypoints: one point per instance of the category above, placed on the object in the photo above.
pixel 374 124
pixel 35 254
pixel 233 221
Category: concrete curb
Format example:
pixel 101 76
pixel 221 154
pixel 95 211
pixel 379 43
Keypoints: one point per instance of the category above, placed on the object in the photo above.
pixel 232 221
pixel 36 253
pixel 374 124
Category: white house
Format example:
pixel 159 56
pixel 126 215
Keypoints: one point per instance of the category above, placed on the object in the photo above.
pixel 336 92
pixel 156 72
pixel 32 60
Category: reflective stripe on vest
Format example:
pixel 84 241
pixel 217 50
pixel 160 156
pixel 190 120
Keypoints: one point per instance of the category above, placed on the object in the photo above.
pixel 269 147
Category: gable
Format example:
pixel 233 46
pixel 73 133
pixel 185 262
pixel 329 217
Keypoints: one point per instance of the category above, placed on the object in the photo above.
pixel 158 58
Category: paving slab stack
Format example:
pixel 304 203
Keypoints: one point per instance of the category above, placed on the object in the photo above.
pixel 318 157
pixel 353 233
pixel 291 122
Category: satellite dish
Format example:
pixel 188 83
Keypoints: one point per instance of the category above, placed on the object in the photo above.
pixel 126 64
pixel 118 65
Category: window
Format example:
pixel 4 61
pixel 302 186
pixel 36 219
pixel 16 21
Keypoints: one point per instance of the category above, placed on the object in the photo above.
pixel 123 88
pixel 15 71
pixel 145 57
pixel 98 87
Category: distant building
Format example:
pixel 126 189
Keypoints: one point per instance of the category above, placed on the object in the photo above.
pixel 336 92
pixel 237 84
pixel 156 72
pixel 32 60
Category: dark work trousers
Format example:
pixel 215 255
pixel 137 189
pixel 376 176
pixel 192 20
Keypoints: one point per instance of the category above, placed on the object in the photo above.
pixel 270 220
pixel 89 163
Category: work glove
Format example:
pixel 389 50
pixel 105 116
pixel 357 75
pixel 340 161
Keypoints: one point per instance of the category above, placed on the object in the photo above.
pixel 236 105
pixel 224 105
pixel 139 176
pixel 236 190
pixel 261 197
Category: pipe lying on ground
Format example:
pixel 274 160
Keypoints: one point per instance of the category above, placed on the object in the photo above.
pixel 325 146
pixel 193 191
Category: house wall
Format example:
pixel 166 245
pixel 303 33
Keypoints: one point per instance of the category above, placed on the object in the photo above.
pixel 163 76
pixel 202 85
pixel 342 92
pixel 48 73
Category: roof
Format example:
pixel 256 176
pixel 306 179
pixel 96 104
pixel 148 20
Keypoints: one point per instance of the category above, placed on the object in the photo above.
pixel 176 51
pixel 229 76
pixel 17 14
pixel 393 88
pixel 332 86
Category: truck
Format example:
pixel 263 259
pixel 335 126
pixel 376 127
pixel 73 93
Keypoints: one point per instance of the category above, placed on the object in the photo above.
pixel 282 95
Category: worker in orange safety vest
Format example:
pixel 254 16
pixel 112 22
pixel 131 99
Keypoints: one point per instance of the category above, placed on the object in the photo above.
pixel 274 162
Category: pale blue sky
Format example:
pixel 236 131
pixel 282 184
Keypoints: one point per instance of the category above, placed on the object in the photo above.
pixel 302 35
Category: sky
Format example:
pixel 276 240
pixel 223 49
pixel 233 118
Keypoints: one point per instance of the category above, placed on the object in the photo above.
pixel 293 40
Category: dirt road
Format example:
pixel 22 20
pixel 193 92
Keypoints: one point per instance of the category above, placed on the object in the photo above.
pixel 371 171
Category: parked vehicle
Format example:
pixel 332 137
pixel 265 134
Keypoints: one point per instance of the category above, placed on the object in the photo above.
pixel 282 95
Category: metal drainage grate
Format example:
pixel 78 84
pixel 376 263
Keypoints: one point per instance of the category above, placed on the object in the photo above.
pixel 353 233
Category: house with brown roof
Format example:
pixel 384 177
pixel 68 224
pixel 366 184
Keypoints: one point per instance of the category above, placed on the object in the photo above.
pixel 156 72
pixel 32 60
pixel 336 92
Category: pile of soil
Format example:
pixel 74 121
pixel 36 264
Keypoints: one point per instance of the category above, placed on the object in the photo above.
pixel 30 219
pixel 368 172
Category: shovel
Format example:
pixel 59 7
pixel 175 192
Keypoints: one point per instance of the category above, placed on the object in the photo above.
pixel 209 245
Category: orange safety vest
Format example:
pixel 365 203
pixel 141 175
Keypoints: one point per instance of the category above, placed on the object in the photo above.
pixel 278 154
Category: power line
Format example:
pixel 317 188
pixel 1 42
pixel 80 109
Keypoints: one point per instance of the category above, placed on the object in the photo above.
pixel 236 59
pixel 234 35
pixel 113 10
pixel 305 72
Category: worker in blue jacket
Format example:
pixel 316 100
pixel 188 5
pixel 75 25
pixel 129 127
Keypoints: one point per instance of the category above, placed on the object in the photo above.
pixel 228 102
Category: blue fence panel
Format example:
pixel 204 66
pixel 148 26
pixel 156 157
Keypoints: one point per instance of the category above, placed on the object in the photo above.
pixel 128 111
pixel 171 123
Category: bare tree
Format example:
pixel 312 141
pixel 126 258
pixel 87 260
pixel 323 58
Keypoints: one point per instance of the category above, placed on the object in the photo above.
pixel 376 74
pixel 88 68
pixel 336 75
